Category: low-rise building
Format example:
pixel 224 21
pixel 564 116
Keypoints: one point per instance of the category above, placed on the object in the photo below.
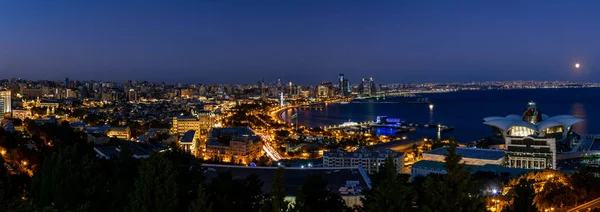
pixel 7 125
pixel 369 160
pixel 531 152
pixel 21 113
pixel 207 121
pixel 97 138
pixel 187 141
pixel 236 144
pixel 119 132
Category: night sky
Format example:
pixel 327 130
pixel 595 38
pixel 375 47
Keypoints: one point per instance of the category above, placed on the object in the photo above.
pixel 302 41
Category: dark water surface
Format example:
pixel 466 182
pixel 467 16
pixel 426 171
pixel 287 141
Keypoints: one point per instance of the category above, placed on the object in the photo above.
pixel 464 110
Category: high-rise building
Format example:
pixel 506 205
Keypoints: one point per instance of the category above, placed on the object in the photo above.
pixel 341 84
pixel 132 95
pixel 324 89
pixel 361 87
pixel 344 85
pixel 279 84
pixel 5 102
pixel 372 87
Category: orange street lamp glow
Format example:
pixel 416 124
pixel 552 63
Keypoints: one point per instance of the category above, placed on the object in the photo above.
pixel 576 65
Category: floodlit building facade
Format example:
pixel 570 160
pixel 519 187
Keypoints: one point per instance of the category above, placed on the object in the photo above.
pixel 235 144
pixel 119 132
pixel 182 124
pixel 188 140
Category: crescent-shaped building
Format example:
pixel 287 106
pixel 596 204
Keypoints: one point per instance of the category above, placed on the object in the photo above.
pixel 530 140
pixel 532 123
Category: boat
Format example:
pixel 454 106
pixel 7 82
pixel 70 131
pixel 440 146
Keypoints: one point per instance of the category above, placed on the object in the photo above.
pixel 344 103
pixel 420 101
pixel 348 124
pixel 447 129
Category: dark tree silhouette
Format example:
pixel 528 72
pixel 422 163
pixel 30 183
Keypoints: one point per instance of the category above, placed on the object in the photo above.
pixel 156 187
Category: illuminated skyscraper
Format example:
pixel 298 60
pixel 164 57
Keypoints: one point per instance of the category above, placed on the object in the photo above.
pixel 361 87
pixel 372 87
pixel 344 86
pixel 5 102
pixel 279 84
pixel 341 84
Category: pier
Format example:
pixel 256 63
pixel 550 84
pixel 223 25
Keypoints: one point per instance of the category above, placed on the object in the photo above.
pixel 312 107
pixel 402 125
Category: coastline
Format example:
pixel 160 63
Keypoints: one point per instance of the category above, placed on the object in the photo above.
pixel 278 112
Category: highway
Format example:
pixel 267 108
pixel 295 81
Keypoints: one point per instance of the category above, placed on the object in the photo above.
pixel 586 206
pixel 271 152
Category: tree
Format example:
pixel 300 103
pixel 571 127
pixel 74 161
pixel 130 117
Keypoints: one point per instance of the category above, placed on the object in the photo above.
pixel 454 191
pixel 189 177
pixel 313 195
pixel 156 187
pixel 390 192
pixel 69 180
pixel 200 204
pixel 585 184
pixel 415 151
pixel 524 193
pixel 555 194
pixel 276 200
pixel 3 181
pixel 282 133
pixel 228 194
pixel 39 110
pixel 121 181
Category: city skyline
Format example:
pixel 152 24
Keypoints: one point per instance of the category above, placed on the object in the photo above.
pixel 210 42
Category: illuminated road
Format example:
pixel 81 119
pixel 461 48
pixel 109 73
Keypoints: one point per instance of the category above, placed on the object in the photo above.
pixel 271 152
pixel 587 206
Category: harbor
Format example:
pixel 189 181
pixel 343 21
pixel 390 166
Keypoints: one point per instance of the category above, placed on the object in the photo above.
pixel 386 123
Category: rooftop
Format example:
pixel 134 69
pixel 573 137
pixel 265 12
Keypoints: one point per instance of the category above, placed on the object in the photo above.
pixel 107 151
pixel 232 131
pixel 186 117
pixel 188 137
pixel 487 154
pixel 359 153
pixel 498 169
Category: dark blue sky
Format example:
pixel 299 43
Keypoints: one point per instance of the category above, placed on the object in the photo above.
pixel 303 41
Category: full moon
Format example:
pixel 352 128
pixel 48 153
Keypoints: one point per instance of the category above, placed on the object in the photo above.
pixel 576 65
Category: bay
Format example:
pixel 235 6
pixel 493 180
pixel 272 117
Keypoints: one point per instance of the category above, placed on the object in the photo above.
pixel 463 109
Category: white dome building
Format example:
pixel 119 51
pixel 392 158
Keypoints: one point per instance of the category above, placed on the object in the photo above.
pixel 530 140
pixel 532 123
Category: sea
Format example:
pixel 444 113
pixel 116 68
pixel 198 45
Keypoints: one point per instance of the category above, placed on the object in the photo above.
pixel 464 110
